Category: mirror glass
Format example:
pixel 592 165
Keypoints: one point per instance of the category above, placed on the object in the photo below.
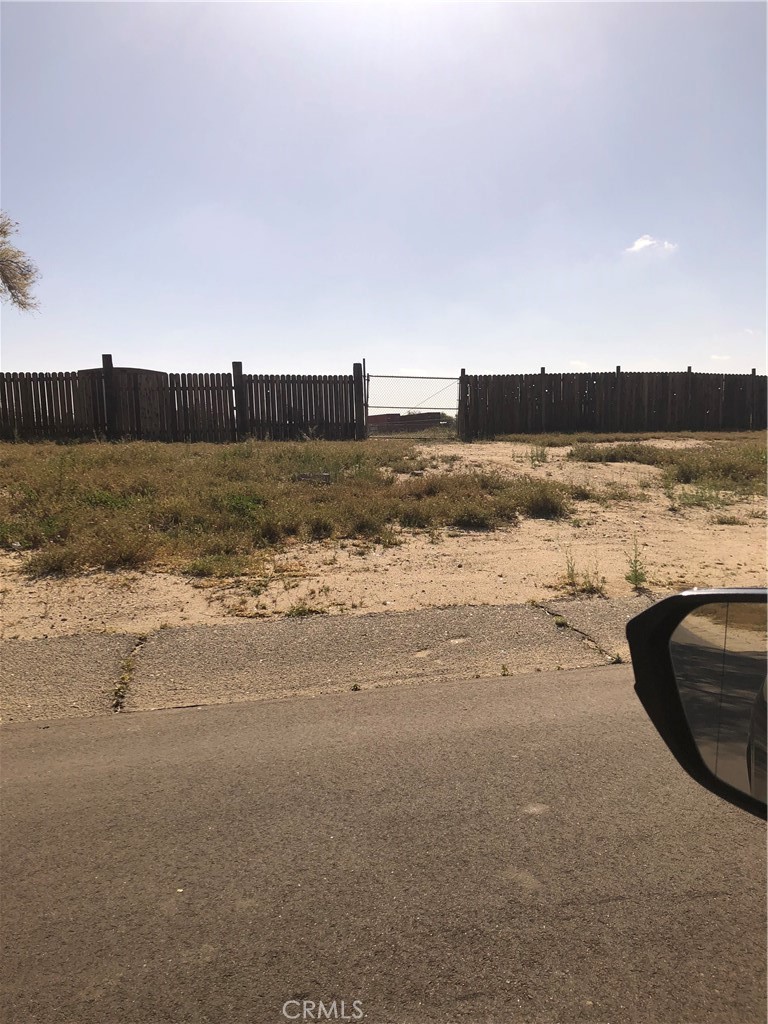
pixel 719 659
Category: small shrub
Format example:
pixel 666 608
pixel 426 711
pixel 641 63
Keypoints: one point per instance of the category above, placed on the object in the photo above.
pixel 417 516
pixel 581 492
pixel 57 560
pixel 592 583
pixel 615 491
pixel 268 532
pixel 219 566
pixel 113 549
pixel 637 575
pixel 365 522
pixel 472 516
pixel 290 524
pixel 302 609
pixel 571 580
pixel 389 538
pixel 725 520
pixel 320 527
pixel 505 510
pixel 537 454
pixel 702 495
pixel 589 582
pixel 539 499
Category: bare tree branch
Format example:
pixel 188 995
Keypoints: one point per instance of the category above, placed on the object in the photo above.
pixel 18 274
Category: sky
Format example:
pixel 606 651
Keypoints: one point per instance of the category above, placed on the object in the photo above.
pixel 425 186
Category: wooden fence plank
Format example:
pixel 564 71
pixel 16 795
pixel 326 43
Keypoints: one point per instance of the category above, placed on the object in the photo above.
pixel 56 401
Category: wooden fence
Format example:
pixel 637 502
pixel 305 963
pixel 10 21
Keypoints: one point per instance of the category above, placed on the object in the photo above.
pixel 121 402
pixel 491 406
pixel 290 407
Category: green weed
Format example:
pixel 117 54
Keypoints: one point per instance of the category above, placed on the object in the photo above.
pixel 637 575
pixel 537 454
pixel 302 609
pixel 588 581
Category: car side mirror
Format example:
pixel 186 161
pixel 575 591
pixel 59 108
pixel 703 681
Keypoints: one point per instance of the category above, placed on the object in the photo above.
pixel 700 666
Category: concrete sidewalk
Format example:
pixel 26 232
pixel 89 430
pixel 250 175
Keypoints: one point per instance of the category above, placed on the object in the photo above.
pixel 257 659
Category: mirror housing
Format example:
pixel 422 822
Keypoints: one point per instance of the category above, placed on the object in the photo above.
pixel 667 694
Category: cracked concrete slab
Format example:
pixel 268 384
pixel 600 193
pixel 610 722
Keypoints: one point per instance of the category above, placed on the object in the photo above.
pixel 604 620
pixel 257 659
pixel 65 677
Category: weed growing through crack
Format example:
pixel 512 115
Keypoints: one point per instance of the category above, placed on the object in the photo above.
pixel 120 691
pixel 127 669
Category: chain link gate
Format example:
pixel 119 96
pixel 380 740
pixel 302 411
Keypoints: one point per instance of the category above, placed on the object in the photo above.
pixel 397 405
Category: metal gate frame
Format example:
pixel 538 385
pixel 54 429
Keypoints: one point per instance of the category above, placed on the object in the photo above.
pixel 398 423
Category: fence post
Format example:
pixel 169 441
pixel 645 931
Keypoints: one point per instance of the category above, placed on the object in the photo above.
pixel 241 407
pixel 543 417
pixel 688 398
pixel 617 401
pixel 110 398
pixel 358 392
pixel 461 412
pixel 752 397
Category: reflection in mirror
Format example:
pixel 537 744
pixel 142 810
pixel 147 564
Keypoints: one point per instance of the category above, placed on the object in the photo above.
pixel 719 659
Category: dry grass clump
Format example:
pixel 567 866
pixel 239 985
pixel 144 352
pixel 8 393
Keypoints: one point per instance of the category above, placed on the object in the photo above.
pixel 209 510
pixel 738 467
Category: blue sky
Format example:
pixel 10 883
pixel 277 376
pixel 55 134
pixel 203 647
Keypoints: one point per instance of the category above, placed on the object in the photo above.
pixel 426 186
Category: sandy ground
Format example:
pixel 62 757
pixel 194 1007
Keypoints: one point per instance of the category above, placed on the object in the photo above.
pixel 514 565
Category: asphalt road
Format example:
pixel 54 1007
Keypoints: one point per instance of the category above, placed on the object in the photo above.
pixel 497 850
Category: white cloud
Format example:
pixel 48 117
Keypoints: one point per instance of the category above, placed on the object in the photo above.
pixel 720 359
pixel 649 242
pixel 578 364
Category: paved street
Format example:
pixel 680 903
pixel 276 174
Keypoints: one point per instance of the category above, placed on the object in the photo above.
pixel 517 849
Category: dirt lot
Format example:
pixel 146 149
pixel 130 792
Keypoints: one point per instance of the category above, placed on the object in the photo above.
pixel 678 549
